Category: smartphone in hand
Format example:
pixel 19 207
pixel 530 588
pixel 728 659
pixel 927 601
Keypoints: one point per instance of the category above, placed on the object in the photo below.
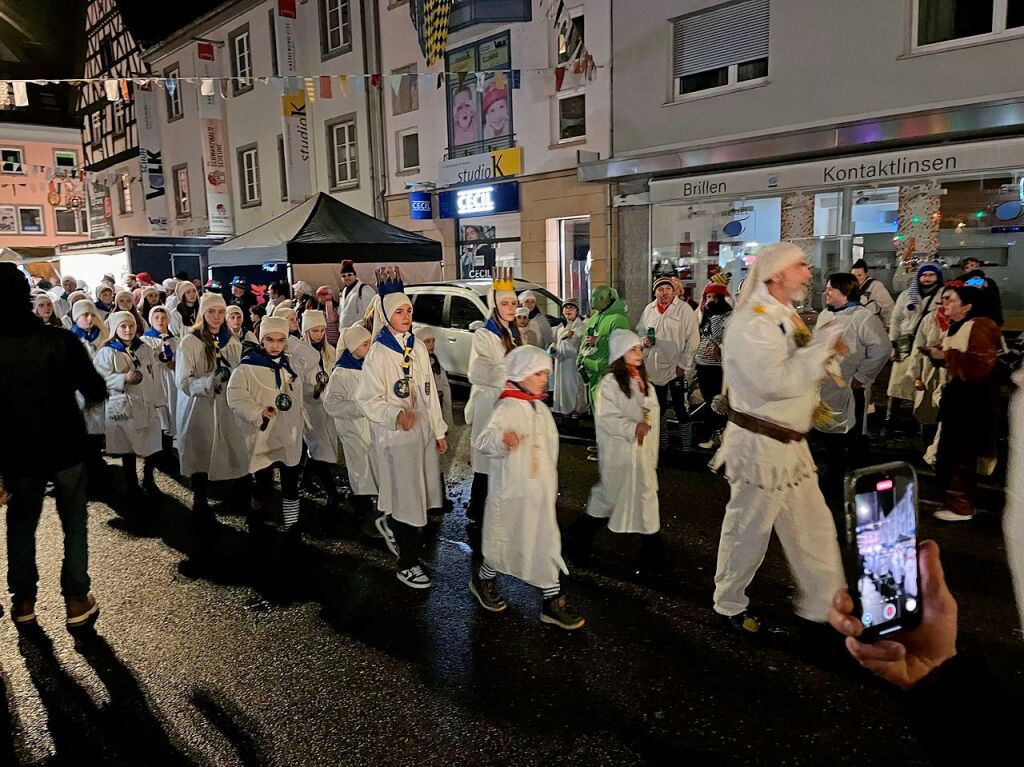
pixel 880 555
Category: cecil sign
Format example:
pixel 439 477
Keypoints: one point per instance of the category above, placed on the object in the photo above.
pixel 479 200
pixel 503 163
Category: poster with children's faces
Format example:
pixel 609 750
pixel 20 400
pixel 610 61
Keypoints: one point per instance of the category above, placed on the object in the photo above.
pixel 494 100
pixel 480 109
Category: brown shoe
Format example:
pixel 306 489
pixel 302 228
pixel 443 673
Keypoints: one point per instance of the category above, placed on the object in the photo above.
pixel 23 613
pixel 79 612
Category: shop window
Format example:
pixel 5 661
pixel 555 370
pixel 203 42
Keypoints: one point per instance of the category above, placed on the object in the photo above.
pixel 173 94
pixel 466 13
pixel 428 309
pixel 70 220
pixel 575 259
pixel 409 150
pixel 720 47
pixel 249 175
pixel 343 153
pixel 572 117
pixel 486 242
pixel 182 193
pixel 282 168
pixel 463 313
pixel 30 219
pixel 124 199
pixel 571 39
pixel 335 28
pixel 241 60
pixel 12 160
pixel 407 99
pixel 948 21
pixel 876 210
pixel 480 118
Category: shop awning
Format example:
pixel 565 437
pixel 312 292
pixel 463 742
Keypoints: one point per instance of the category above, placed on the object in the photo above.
pixel 26 254
pixel 323 230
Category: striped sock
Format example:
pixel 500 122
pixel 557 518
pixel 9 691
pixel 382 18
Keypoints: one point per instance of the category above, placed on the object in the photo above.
pixel 290 512
pixel 552 592
pixel 487 572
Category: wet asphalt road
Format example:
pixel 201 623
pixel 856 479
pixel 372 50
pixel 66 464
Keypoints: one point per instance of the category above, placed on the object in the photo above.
pixel 212 649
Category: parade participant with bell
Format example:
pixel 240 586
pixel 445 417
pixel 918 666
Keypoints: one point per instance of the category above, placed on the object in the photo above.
pixel 165 347
pixel 772 368
pixel 211 446
pixel 398 396
pixel 320 435
pixel 265 394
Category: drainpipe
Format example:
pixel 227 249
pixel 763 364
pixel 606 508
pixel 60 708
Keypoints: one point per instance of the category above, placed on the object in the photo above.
pixel 370 16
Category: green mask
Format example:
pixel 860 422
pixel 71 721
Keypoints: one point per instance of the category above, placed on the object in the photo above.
pixel 602 297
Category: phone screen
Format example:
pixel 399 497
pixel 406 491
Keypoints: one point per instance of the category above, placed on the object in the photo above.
pixel 885 545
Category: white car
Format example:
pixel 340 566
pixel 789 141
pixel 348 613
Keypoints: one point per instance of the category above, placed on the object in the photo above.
pixel 455 309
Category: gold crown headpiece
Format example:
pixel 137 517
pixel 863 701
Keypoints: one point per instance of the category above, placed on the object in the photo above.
pixel 502 278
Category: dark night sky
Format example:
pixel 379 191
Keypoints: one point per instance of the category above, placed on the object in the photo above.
pixel 150 25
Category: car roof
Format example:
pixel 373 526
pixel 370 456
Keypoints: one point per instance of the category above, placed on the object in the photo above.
pixel 480 286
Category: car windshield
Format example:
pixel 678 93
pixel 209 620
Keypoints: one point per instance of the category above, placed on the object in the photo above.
pixel 547 303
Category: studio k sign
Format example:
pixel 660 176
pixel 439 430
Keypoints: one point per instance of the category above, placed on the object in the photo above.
pixel 502 163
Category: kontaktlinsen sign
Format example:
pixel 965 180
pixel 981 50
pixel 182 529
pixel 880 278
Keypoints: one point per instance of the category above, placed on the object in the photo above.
pixel 861 169
pixel 489 166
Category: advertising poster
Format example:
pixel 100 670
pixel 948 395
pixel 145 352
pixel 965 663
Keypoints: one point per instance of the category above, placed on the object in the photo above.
pixel 151 159
pixel 477 255
pixel 215 167
pixel 480 110
pixel 294 115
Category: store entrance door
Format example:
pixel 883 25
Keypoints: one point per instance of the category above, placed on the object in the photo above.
pixel 574 258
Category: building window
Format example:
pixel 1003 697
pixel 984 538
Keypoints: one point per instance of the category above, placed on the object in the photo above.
pixel 570 39
pixel 66 161
pixel 945 21
pixel 119 129
pixel 106 54
pixel 182 195
pixel 466 13
pixel 282 167
pixel 96 127
pixel 335 28
pixel 70 220
pixel 480 119
pixel 173 94
pixel 343 154
pixel 241 60
pixel 409 150
pixel 720 48
pixel 124 200
pixel 30 219
pixel 12 160
pixel 408 97
pixel 572 117
pixel 249 175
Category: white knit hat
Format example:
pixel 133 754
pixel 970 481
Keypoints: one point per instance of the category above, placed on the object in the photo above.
pixel 235 309
pixel 620 342
pixel 392 302
pixel 312 319
pixel 355 336
pixel 523 361
pixel 273 325
pixel 284 311
pixel 155 310
pixel 181 288
pixel 85 306
pixel 210 300
pixel 122 292
pixel 77 295
pixel 769 261
pixel 100 289
pixel 169 285
pixel 526 295
pixel 522 311
pixel 304 288
pixel 425 333
pixel 114 320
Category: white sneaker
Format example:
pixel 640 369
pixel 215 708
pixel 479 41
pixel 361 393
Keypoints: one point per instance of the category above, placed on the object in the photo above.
pixel 592 457
pixel 381 523
pixel 591 448
pixel 414 578
pixel 945 515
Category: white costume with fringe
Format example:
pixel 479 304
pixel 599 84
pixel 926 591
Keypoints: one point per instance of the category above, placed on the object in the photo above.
pixel 773 484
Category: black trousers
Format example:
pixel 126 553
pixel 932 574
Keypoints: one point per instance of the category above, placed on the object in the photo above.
pixel 407 538
pixel 844 452
pixel 709 380
pixel 676 388
pixel 263 482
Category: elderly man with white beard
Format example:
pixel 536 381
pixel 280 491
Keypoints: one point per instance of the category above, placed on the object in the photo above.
pixel 772 368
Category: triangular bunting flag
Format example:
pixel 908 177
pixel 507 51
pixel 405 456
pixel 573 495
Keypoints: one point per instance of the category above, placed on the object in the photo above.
pixel 310 90
pixel 360 82
pixel 113 89
pixel 440 79
pixel 396 83
pixel 325 87
pixel 343 84
pixel 461 78
pixel 206 86
pixel 125 92
pixel 20 94
pixel 559 78
pixel 375 81
pixel 500 80
pixel 480 77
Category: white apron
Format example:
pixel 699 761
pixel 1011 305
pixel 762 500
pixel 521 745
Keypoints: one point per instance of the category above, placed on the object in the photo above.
pixel 253 388
pixel 140 433
pixel 321 436
pixel 353 429
pixel 410 474
pixel 209 438
pixel 520 530
pixel 627 494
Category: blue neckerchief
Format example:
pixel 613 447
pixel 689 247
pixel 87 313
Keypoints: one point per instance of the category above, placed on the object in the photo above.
pixel 349 361
pixel 154 333
pixel 102 306
pixel 493 326
pixel 388 338
pixel 119 345
pixel 220 340
pixel 320 352
pixel 847 305
pixel 89 335
pixel 258 357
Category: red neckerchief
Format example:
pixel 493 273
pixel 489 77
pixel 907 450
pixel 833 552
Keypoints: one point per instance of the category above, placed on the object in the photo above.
pixel 511 391
pixel 634 374
pixel 662 309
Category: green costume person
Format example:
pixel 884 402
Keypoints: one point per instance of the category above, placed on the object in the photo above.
pixel 609 314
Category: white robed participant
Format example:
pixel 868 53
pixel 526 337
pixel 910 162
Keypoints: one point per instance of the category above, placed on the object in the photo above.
pixel 89 328
pixel 351 423
pixel 165 348
pixel 210 444
pixel 627 495
pixel 570 395
pixel 772 369
pixel 355 297
pixel 397 394
pixel 316 359
pixel 538 320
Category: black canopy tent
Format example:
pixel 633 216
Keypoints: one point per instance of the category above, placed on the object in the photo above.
pixel 323 230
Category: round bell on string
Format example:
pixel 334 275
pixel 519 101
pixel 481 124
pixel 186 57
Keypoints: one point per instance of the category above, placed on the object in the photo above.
pixel 283 402
pixel 402 388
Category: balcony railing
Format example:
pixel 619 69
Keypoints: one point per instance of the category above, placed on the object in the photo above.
pixel 479 147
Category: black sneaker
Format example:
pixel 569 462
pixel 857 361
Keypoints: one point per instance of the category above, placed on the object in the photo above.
pixel 486 593
pixel 556 612
pixel 744 623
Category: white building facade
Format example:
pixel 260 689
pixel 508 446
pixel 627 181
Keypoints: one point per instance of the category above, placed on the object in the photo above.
pixel 892 133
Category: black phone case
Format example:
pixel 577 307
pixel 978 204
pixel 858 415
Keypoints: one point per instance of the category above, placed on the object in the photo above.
pixel 850 554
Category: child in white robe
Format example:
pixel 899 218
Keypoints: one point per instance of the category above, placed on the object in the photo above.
pixel 317 358
pixel 520 532
pixel 165 348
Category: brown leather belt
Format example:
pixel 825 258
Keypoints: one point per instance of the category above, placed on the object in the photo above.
pixel 767 428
